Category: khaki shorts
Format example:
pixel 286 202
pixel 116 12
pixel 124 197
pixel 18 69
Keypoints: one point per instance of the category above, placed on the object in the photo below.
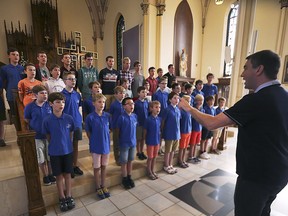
pixel 171 145
pixel 217 133
pixel 42 150
pixel 100 160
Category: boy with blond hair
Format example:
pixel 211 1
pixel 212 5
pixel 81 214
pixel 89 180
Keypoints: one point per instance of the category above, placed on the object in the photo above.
pixel 99 142
pixel 171 131
pixel 152 136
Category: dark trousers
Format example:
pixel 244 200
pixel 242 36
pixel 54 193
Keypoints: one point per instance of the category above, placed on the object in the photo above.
pixel 254 199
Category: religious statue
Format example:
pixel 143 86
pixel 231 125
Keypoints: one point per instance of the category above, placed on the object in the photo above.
pixel 183 63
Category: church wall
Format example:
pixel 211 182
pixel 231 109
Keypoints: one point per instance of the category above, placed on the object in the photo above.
pixel 168 35
pixel 267 25
pixel 214 39
pixel 73 17
pixel 12 13
pixel 132 13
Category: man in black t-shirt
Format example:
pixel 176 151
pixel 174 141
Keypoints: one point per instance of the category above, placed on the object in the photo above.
pixel 262 145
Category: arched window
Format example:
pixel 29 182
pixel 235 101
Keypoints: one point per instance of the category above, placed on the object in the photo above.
pixel 119 41
pixel 230 37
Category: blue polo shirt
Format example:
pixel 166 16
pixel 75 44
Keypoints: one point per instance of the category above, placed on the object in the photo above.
pixel 195 125
pixel 11 75
pixel 218 110
pixel 141 110
pixel 127 130
pixel 2 105
pixel 99 128
pixel 88 106
pixel 35 114
pixel 162 97
pixel 116 109
pixel 59 130
pixel 210 110
pixel 196 92
pixel 209 90
pixel 171 117
pixel 153 130
pixel 185 122
pixel 72 104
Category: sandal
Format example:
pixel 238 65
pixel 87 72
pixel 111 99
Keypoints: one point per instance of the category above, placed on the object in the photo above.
pixel 182 165
pixel 155 174
pixel 152 177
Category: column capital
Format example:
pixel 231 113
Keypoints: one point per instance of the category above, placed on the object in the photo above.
pixel 284 3
pixel 145 7
pixel 160 8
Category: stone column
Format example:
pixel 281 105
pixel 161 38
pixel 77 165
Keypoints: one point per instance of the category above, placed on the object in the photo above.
pixel 145 8
pixel 242 48
pixel 160 5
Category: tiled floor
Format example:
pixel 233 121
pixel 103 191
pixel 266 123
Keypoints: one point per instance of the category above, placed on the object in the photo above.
pixel 148 197
pixel 153 197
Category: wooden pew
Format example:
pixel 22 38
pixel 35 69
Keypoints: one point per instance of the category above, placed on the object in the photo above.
pixel 26 143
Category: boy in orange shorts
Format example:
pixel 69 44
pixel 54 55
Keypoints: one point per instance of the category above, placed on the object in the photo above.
pixel 196 131
pixel 185 130
pixel 152 135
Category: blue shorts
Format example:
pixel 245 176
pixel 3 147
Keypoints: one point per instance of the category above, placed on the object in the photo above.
pixel 127 154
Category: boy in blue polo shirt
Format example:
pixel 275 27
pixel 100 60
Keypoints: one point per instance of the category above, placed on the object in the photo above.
pixel 98 128
pixel 198 88
pixel 206 134
pixel 126 126
pixel 185 131
pixel 196 131
pixel 72 104
pixel 88 106
pixel 161 95
pixel 189 90
pixel 34 113
pixel 116 110
pixel 171 131
pixel 59 128
pixel 152 135
pixel 141 110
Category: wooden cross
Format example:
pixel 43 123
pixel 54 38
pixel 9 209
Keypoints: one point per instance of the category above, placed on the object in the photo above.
pixel 76 51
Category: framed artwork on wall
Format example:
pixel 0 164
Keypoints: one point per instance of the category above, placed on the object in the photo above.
pixel 285 71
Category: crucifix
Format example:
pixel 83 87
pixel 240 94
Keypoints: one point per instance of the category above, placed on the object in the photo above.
pixel 77 50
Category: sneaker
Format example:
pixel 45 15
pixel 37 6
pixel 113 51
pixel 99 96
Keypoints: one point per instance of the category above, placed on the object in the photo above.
pixel 52 179
pixel 125 183
pixel 143 156
pixel 186 164
pixel 168 169
pixel 63 205
pixel 196 160
pixel 204 156
pixel 100 193
pixel 174 169
pixel 131 182
pixel 46 181
pixel 105 191
pixel 70 202
pixel 2 143
pixel 77 171
pixel 140 156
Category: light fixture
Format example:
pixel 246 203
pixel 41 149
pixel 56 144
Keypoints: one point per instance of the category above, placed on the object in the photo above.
pixel 219 2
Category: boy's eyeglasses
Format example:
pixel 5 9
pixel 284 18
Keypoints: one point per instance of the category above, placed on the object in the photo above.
pixel 72 79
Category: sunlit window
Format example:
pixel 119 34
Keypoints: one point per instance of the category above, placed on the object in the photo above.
pixel 119 41
pixel 230 37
